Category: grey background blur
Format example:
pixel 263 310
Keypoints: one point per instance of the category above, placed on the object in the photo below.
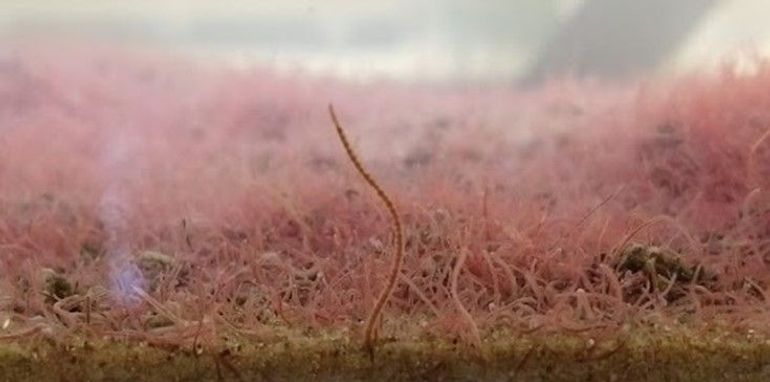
pixel 419 40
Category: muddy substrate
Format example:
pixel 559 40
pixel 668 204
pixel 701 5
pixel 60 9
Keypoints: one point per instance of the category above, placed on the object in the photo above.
pixel 659 354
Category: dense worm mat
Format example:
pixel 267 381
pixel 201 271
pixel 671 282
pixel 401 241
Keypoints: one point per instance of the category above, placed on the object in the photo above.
pixel 150 198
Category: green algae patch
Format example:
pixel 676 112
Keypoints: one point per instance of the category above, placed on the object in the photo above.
pixel 638 355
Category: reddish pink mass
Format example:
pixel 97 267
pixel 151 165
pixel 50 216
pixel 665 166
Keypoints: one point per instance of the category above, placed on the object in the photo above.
pixel 236 177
